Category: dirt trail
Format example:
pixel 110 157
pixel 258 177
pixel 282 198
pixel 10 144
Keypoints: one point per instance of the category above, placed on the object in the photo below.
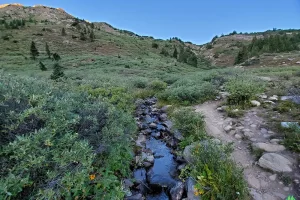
pixel 263 185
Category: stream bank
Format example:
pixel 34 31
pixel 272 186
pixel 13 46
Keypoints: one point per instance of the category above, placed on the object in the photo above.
pixel 157 167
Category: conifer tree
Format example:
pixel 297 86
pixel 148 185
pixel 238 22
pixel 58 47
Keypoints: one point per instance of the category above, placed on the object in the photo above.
pixel 48 50
pixel 42 66
pixel 175 53
pixel 33 50
pixel 57 72
pixel 92 36
pixel 63 32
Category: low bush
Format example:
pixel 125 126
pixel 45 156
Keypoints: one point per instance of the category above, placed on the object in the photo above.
pixel 61 143
pixel 190 124
pixel 216 176
pixel 158 85
pixel 242 90
pixel 292 138
pixel 187 94
pixel 140 83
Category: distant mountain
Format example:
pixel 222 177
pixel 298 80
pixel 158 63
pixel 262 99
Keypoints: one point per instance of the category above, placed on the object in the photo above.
pixel 45 24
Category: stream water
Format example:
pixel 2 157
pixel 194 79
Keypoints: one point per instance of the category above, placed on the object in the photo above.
pixel 156 172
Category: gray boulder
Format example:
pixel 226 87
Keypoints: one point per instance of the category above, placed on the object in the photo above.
pixel 275 162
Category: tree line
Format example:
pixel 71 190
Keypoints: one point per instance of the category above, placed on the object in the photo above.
pixel 269 44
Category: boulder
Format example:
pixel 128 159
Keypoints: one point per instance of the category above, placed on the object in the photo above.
pixel 190 189
pixel 255 103
pixel 273 98
pixel 268 147
pixel 275 162
pixel 141 141
pixel 228 128
pixel 177 191
pixel 153 125
pixel 163 117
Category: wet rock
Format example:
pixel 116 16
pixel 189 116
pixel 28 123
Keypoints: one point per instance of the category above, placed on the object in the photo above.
pixel 190 189
pixel 168 124
pixel 128 183
pixel 147 157
pixel 156 135
pixel 228 128
pixel 140 177
pixel 141 141
pixel 255 103
pixel 135 197
pixel 143 126
pixel 153 125
pixel 160 196
pixel 177 191
pixel 148 119
pixel 275 162
pixel 147 164
pixel 148 131
pixel 178 135
pixel 163 117
pixel 161 127
pixel 268 147
pixel 181 167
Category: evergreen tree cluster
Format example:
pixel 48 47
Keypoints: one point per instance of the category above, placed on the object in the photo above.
pixel 269 44
pixel 187 56
pixel 14 24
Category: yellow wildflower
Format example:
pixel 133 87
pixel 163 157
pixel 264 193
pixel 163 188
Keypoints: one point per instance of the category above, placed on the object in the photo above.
pixel 92 177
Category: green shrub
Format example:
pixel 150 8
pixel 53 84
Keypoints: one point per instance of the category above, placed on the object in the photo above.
pixel 190 124
pixel 187 94
pixel 140 83
pixel 158 85
pixel 154 45
pixel 242 90
pixel 82 151
pixel 217 177
pixel 292 138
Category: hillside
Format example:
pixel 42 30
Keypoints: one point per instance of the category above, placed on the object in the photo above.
pixel 89 111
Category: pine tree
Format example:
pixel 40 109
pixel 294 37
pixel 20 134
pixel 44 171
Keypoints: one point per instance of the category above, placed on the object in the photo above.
pixel 57 72
pixel 63 32
pixel 175 53
pixel 192 60
pixel 42 66
pixel 56 57
pixel 48 50
pixel 182 56
pixel 23 22
pixel 92 36
pixel 242 55
pixel 33 50
pixel 82 36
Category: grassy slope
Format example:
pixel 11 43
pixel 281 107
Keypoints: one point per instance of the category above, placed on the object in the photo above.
pixel 110 72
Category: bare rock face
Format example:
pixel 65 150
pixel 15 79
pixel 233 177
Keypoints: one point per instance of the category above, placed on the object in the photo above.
pixel 275 162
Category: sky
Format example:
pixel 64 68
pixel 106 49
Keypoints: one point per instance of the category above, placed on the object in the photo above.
pixel 190 20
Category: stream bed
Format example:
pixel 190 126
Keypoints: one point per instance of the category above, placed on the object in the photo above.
pixel 156 168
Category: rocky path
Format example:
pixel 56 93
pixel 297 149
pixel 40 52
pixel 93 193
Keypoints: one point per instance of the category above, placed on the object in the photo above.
pixel 264 175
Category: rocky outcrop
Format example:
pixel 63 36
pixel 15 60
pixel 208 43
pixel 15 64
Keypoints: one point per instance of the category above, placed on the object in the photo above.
pixel 275 162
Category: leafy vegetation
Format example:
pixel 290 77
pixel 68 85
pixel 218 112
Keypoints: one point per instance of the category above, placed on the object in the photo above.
pixel 243 89
pixel 57 142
